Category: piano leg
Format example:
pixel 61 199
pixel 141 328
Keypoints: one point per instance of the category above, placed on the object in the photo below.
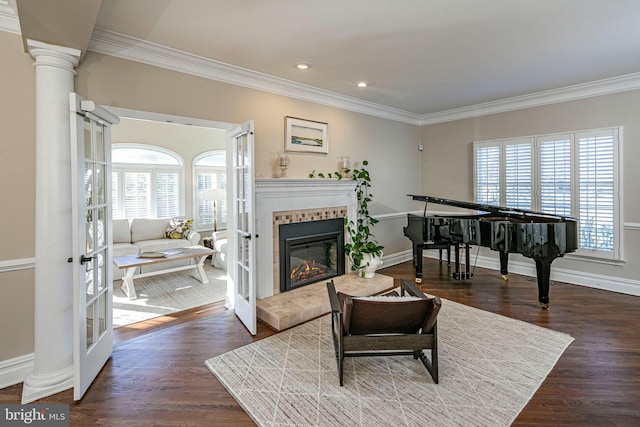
pixel 417 261
pixel 467 261
pixel 456 254
pixel 504 262
pixel 543 270
pixel 457 275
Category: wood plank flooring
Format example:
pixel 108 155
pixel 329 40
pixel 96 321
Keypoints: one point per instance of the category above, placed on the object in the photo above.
pixel 157 376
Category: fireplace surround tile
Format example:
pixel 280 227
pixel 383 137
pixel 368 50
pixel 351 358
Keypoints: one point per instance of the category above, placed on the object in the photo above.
pixel 297 216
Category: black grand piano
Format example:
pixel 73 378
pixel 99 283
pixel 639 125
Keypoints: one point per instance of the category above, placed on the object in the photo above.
pixel 542 237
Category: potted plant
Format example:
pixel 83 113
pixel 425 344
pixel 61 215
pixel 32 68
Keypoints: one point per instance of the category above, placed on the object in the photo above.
pixel 362 248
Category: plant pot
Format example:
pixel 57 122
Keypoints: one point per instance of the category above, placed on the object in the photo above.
pixel 370 263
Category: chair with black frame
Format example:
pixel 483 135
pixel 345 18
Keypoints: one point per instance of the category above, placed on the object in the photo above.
pixel 387 325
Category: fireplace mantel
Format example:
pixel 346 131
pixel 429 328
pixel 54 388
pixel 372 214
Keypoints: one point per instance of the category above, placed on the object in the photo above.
pixel 281 195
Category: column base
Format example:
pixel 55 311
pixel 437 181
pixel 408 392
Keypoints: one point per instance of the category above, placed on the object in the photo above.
pixel 36 386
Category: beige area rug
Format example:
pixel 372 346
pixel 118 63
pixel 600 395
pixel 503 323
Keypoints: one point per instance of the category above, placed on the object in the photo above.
pixel 490 366
pixel 165 294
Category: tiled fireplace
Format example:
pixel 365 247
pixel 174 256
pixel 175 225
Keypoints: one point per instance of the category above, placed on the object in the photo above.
pixel 294 201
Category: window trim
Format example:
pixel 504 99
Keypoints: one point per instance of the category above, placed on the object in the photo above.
pixel 616 255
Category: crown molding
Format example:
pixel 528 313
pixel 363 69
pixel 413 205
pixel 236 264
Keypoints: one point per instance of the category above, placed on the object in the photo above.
pixel 122 46
pixel 110 43
pixel 568 93
pixel 8 17
pixel 133 49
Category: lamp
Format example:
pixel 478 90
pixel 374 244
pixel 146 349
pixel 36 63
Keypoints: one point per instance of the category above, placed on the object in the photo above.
pixel 214 194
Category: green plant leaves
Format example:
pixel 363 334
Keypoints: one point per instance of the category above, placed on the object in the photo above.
pixel 361 241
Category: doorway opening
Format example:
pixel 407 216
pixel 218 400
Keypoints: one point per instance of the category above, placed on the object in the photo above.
pixel 173 292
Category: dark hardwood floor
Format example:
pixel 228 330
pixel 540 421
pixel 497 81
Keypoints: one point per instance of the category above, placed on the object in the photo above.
pixel 157 376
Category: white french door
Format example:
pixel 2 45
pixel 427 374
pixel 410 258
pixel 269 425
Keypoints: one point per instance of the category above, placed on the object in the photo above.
pixel 244 244
pixel 92 237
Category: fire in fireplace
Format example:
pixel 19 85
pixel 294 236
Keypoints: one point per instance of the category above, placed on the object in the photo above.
pixel 310 252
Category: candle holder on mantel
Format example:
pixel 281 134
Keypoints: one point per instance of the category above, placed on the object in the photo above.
pixel 344 164
pixel 283 163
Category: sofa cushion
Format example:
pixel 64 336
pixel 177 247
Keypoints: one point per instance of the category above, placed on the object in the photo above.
pixel 161 244
pixel 179 228
pixel 121 233
pixel 120 249
pixel 148 229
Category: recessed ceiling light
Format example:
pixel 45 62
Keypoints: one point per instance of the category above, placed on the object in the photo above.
pixel 362 84
pixel 303 66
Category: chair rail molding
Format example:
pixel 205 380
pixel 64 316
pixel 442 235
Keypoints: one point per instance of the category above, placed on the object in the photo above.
pixel 17 264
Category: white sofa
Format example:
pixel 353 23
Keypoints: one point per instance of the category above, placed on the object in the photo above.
pixel 147 235
pixel 219 244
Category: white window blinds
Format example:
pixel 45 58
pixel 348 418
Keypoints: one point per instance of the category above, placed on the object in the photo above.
pixel 146 182
pixel 596 166
pixel 488 174
pixel 517 170
pixel 137 195
pixel 574 174
pixel 167 194
pixel 210 172
pixel 555 175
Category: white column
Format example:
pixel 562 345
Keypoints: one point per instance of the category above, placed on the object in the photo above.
pixel 53 347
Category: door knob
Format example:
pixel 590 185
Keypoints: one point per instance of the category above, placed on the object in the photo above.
pixel 85 258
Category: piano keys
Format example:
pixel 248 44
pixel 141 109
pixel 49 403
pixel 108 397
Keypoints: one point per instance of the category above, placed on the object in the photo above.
pixel 536 235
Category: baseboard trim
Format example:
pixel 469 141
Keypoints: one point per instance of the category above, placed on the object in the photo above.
pixel 37 386
pixel 396 258
pixel 14 371
pixel 574 277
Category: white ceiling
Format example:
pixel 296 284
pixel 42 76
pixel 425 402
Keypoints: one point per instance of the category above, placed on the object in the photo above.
pixel 420 57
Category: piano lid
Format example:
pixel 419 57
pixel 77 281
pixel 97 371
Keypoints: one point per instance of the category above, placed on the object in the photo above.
pixel 497 210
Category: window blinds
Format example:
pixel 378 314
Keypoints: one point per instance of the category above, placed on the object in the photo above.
pixel 573 174
pixel 597 190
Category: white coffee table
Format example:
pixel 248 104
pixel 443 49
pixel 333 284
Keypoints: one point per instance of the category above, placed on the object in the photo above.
pixel 129 263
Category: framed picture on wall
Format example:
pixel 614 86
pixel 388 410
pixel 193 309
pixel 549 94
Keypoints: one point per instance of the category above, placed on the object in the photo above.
pixel 306 136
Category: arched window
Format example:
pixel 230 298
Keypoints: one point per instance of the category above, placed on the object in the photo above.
pixel 147 182
pixel 209 173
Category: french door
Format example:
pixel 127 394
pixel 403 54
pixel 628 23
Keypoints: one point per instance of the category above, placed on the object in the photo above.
pixel 92 237
pixel 244 243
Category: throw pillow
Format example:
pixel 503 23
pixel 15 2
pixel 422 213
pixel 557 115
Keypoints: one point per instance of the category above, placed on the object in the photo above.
pixel 178 229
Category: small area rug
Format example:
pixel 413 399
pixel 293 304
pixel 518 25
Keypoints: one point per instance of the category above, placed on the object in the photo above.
pixel 490 367
pixel 165 294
